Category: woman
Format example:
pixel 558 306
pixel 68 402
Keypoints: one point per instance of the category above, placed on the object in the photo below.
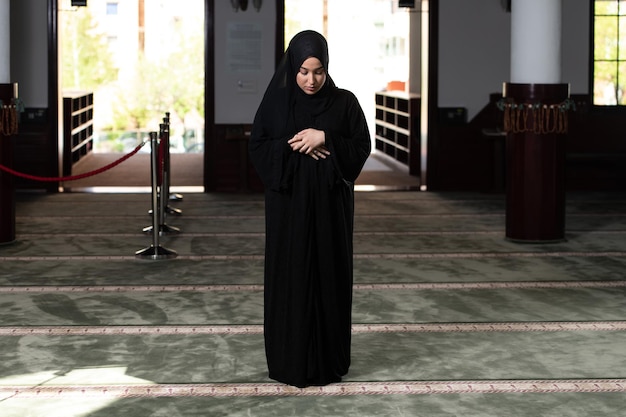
pixel 308 144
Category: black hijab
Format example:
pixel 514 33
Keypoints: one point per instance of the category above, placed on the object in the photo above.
pixel 290 108
pixel 286 109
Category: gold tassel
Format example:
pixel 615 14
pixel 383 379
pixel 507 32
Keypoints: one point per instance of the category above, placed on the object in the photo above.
pixel 539 119
pixel 8 120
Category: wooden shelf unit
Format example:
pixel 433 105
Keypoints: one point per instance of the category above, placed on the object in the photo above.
pixel 397 128
pixel 77 127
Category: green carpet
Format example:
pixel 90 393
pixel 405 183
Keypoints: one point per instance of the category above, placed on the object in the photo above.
pixel 449 317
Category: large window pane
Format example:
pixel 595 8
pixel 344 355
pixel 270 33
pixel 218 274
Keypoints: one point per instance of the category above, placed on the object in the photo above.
pixel 605 83
pixel 621 40
pixel 621 85
pixel 605 38
pixel 609 52
pixel 606 7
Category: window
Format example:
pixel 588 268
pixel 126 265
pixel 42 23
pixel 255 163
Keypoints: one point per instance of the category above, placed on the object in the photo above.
pixel 609 52
pixel 112 8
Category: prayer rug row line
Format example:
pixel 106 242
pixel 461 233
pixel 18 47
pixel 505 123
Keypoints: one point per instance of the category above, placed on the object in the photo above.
pixel 256 329
pixel 357 216
pixel 262 216
pixel 451 255
pixel 262 234
pixel 357 287
pixel 356 233
pixel 341 389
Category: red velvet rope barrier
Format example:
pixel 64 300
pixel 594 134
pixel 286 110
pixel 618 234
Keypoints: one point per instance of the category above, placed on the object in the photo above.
pixel 73 177
pixel 163 145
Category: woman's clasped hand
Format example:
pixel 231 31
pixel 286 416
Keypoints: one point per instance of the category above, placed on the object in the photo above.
pixel 310 142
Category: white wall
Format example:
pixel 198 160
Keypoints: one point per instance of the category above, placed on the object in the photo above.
pixel 474 57
pixel 575 45
pixel 29 51
pixel 5 42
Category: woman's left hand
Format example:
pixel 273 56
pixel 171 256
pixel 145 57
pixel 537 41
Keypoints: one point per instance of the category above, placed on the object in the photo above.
pixel 310 142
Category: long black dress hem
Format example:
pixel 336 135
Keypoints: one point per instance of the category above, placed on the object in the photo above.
pixel 302 385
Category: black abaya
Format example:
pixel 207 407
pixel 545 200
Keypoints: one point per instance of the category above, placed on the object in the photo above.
pixel 309 208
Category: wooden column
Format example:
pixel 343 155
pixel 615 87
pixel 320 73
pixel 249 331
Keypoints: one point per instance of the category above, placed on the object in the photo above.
pixel 535 161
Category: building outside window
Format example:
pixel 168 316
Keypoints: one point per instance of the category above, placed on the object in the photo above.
pixel 112 8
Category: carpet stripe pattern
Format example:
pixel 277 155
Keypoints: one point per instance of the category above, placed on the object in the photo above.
pixel 466 255
pixel 357 287
pixel 341 389
pixel 356 329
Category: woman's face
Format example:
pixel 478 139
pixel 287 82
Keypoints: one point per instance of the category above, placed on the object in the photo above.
pixel 311 76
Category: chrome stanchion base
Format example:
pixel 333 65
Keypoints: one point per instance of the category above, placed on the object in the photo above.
pixel 164 229
pixel 173 210
pixel 156 252
pixel 170 210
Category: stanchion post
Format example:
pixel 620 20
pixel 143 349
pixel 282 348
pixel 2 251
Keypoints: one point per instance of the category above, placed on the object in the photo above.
pixel 163 189
pixel 165 132
pixel 155 251
pixel 162 227
pixel 172 196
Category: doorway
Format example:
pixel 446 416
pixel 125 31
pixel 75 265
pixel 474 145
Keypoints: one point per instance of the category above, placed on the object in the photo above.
pixel 142 62
pixel 370 57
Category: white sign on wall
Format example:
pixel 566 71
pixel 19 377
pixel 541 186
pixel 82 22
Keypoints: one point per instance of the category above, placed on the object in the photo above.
pixel 244 55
